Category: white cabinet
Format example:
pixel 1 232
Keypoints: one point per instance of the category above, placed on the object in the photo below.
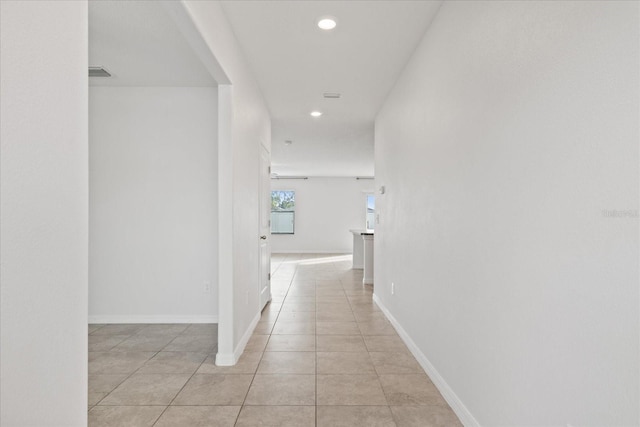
pixel 367 239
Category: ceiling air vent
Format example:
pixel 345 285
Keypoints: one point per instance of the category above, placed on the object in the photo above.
pixel 98 72
pixel 331 95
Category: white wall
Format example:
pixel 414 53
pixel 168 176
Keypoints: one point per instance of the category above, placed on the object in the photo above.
pixel 326 209
pixel 43 225
pixel 512 128
pixel 153 204
pixel 247 125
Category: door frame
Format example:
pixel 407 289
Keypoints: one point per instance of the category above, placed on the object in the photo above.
pixel 265 187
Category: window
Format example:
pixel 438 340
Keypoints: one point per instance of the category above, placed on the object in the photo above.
pixel 371 211
pixel 283 205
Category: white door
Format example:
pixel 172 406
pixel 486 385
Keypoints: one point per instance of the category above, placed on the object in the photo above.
pixel 265 228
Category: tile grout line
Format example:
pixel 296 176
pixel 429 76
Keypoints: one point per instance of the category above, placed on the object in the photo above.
pixel 183 386
pixel 242 406
pixel 349 290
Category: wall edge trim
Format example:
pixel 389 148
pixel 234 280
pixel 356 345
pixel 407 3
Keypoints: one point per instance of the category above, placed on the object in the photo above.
pixel 465 416
pixel 230 359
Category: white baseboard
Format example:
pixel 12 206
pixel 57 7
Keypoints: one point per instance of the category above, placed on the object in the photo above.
pixel 108 319
pixel 227 359
pixel 245 338
pixel 466 418
pixel 340 252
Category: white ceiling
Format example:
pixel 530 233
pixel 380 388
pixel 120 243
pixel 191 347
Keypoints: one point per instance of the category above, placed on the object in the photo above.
pixel 140 45
pixel 293 60
pixel 295 63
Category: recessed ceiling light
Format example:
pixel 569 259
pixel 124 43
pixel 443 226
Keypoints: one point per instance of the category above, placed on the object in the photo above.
pixel 327 23
pixel 316 114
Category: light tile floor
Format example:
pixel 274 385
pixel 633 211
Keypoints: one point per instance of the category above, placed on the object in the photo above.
pixel 322 355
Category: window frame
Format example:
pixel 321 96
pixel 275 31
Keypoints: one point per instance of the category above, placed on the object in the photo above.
pixel 293 214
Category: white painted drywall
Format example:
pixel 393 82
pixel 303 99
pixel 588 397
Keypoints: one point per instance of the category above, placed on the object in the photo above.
pixel 247 127
pixel 153 204
pixel 326 209
pixel 512 129
pixel 43 225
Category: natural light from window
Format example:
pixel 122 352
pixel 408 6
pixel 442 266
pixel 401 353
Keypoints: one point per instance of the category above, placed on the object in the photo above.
pixel 283 205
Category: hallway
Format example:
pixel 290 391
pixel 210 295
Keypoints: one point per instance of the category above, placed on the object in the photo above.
pixel 322 355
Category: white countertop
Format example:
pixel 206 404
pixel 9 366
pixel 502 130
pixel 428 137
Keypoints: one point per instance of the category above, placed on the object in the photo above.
pixel 361 231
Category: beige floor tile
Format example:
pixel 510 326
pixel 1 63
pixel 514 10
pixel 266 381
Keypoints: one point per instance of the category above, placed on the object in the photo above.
pixel 298 306
pixel 340 343
pixel 399 362
pixel 256 343
pixel 355 416
pixel 350 390
pixel 116 362
pixel 377 327
pixel 199 416
pixel 329 292
pixel 287 362
pixel 144 343
pixel 146 389
pixel 337 328
pixel 163 329
pixel 329 283
pixel 385 343
pixel 198 343
pixel 282 390
pixel 369 316
pixel 361 299
pixel 105 342
pixel 300 292
pixel 410 389
pixel 173 362
pixel 272 306
pixel 344 363
pixel 202 329
pixel 101 385
pixel 94 327
pixel 338 308
pixel 358 292
pixel 425 416
pixel 93 398
pixel 294 328
pixel 297 316
pixel 292 343
pixel 300 299
pixel 119 329
pixel 214 389
pixel 365 307
pixel 105 383
pixel 247 364
pixel 124 416
pixel 340 299
pixel 298 282
pixel 281 416
pixel 335 317
pixel 269 316
pixel 303 284
pixel 264 328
